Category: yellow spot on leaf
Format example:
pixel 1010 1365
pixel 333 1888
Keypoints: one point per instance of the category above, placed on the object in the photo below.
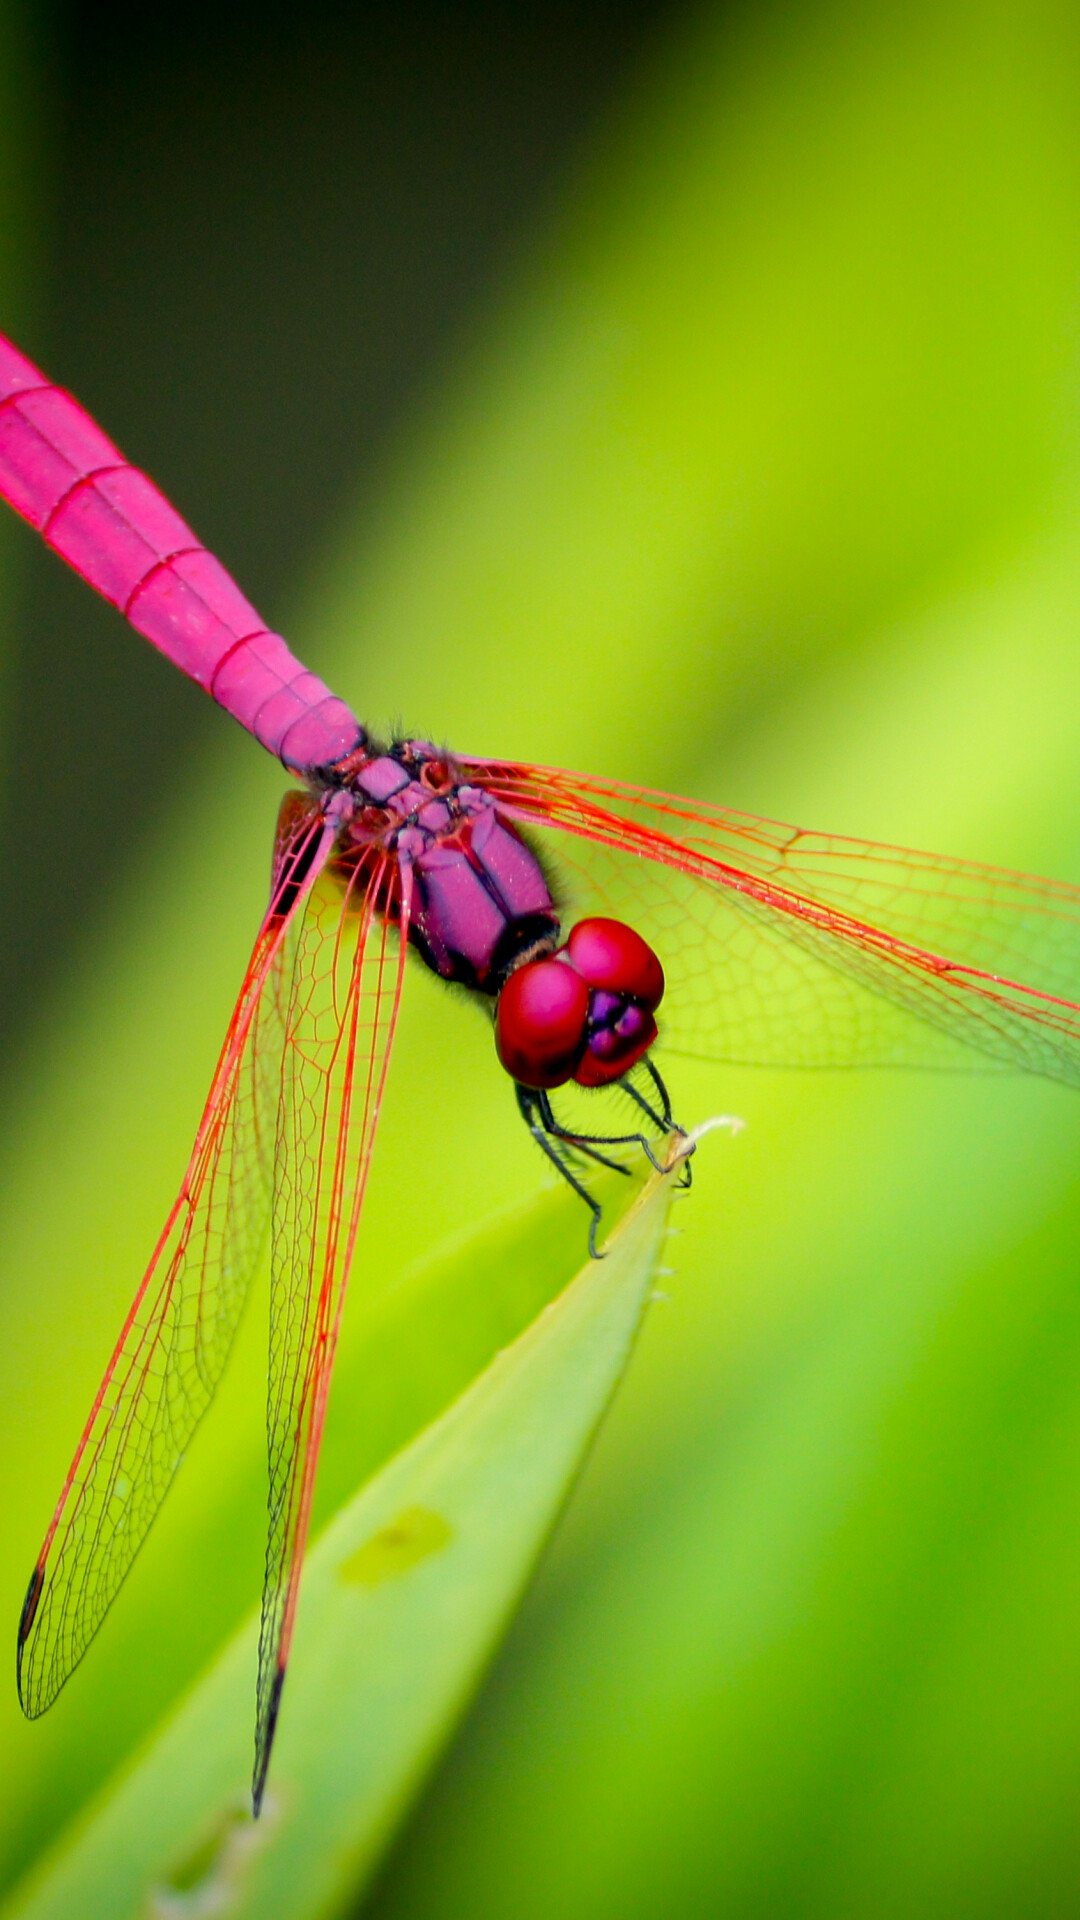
pixel 416 1533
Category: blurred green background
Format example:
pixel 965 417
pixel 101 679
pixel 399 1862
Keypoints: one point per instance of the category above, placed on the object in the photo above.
pixel 689 395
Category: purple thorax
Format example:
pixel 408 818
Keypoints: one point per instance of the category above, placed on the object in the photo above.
pixel 481 903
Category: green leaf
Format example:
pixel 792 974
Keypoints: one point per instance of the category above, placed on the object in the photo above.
pixel 404 1597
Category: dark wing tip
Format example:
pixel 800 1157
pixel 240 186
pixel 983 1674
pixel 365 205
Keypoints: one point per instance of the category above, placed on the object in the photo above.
pixel 264 1741
pixel 30 1705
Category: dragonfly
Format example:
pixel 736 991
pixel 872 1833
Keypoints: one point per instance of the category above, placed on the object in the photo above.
pixel 694 931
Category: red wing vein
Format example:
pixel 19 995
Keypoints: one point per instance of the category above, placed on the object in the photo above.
pixel 179 1331
pixel 787 947
pixel 344 1001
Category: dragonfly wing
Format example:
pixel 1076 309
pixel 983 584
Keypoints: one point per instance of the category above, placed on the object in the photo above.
pixel 784 947
pixel 178 1334
pixel 345 992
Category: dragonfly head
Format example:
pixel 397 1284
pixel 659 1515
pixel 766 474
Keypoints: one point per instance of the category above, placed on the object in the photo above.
pixel 585 1013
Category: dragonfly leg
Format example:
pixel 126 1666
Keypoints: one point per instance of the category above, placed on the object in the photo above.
pixel 660 1122
pixel 587 1141
pixel 561 1143
pixel 529 1104
pixel 664 1119
pixel 665 1098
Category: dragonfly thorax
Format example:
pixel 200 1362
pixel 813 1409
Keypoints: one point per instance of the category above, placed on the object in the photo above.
pixel 481 904
pixel 481 913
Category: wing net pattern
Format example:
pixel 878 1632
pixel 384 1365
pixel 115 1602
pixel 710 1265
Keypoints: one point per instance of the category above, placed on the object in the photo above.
pixel 783 947
pixel 780 947
pixel 177 1337
pixel 346 970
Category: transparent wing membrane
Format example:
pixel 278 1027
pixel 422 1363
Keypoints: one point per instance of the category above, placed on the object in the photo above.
pixel 788 948
pixel 778 946
pixel 179 1332
pixel 344 991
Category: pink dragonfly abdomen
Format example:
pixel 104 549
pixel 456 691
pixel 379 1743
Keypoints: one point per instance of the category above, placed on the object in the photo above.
pixel 108 521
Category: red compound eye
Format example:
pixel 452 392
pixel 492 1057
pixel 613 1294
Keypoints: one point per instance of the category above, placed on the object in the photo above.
pixel 613 957
pixel 585 1015
pixel 540 1023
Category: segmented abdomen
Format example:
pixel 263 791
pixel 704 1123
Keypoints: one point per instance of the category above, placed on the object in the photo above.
pixel 108 521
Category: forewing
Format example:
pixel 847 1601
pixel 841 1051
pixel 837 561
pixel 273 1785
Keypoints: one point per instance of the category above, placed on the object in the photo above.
pixel 344 996
pixel 783 947
pixel 178 1334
